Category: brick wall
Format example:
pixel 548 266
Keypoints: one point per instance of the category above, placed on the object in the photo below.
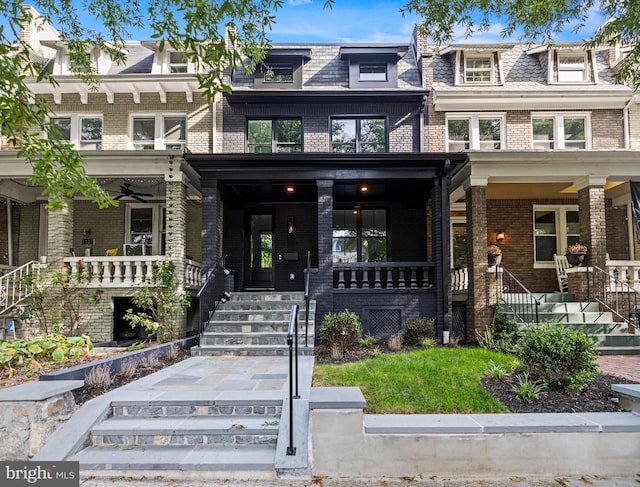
pixel 403 121
pixel 28 237
pixel 106 226
pixel 634 126
pixel 617 232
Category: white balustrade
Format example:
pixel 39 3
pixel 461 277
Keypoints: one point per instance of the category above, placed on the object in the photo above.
pixel 627 271
pixel 460 279
pixel 116 271
pixel 192 274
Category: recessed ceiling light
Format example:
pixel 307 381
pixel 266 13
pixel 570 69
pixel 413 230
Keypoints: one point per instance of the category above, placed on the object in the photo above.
pixel 290 189
pixel 364 189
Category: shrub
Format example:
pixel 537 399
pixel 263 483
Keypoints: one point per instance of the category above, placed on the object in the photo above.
pixel 502 335
pixel 418 330
pixel 429 343
pixel 558 356
pixel 368 341
pixel 395 343
pixel 342 329
pixel 496 371
pixel 527 389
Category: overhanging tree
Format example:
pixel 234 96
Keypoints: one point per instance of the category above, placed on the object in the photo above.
pixel 209 32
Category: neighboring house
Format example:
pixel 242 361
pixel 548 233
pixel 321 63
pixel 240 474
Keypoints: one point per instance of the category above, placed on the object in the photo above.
pixel 387 164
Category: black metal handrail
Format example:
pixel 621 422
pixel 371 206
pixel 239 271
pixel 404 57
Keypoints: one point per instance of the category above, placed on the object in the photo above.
pixel 615 295
pixel 292 334
pixel 306 299
pixel 211 291
pixel 522 302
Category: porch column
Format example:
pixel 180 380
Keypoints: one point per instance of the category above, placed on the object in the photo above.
pixel 592 215
pixel 479 311
pixel 323 284
pixel 60 233
pixel 211 228
pixel 441 253
pixel 176 236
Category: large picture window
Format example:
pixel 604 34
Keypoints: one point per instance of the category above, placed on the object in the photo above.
pixel 554 228
pixel 473 131
pixel 561 131
pixel 275 135
pixel 360 235
pixel 358 135
pixel 159 131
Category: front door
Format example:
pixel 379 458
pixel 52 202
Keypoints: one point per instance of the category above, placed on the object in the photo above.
pixel 260 251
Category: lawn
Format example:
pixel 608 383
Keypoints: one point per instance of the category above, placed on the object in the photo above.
pixel 439 380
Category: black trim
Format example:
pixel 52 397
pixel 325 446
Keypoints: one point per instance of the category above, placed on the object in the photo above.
pixel 239 96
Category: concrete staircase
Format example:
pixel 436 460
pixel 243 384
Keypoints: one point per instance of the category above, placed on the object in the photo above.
pixel 256 323
pixel 225 436
pixel 611 337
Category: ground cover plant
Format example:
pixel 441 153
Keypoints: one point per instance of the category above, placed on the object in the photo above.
pixel 438 380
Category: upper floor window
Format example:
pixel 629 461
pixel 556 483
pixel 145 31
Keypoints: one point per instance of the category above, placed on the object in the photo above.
pixel 83 131
pixel 572 66
pixel 278 73
pixel 358 135
pixel 178 62
pixel 159 132
pixel 275 135
pixel 561 131
pixel 373 72
pixel 554 228
pixel 478 68
pixel 484 132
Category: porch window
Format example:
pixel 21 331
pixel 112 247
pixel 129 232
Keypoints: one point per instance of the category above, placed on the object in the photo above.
pixel 483 132
pixel 360 235
pixel 554 229
pixel 275 135
pixel 358 135
pixel 83 131
pixel 145 227
pixel 561 131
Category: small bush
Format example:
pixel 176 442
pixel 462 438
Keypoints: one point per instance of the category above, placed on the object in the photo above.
pixel 129 367
pixel 418 330
pixel 99 377
pixel 496 371
pixel 528 390
pixel 342 329
pixel 502 335
pixel 368 341
pixel 429 343
pixel 395 343
pixel 558 356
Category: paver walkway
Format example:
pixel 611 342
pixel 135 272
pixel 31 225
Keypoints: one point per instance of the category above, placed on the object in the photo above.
pixel 627 366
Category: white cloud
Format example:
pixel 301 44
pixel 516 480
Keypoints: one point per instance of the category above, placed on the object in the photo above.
pixel 295 3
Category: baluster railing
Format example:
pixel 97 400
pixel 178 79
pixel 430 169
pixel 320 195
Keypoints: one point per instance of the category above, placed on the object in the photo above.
pixel 614 294
pixel 388 275
pixel 523 303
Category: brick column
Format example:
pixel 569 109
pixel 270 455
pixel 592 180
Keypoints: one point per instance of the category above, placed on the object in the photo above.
pixel 211 224
pixel 323 285
pixel 176 236
pixel 592 214
pixel 479 311
pixel 60 233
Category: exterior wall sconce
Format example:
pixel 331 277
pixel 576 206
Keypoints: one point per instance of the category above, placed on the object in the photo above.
pixel 291 225
pixel 499 236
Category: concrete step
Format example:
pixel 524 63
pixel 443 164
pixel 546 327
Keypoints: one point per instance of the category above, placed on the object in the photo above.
pixel 251 338
pixel 216 326
pixel 173 407
pixel 238 458
pixel 628 340
pixel 263 305
pixel 243 350
pixel 223 314
pixel 185 430
pixel 601 328
pixel 619 350
pixel 293 296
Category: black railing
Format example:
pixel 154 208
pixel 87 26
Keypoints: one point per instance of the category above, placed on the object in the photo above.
pixel 292 334
pixel 212 292
pixel 306 299
pixel 616 296
pixel 515 296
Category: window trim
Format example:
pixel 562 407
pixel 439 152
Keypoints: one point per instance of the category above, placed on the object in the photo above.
pixel 561 231
pixel 474 128
pixel 159 141
pixel 358 119
pixel 478 55
pixel 274 133
pixel 75 120
pixel 558 129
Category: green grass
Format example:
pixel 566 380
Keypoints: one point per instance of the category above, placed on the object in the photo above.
pixel 440 380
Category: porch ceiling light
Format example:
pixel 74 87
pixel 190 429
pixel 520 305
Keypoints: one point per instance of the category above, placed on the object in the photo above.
pixel 290 189
pixel 364 188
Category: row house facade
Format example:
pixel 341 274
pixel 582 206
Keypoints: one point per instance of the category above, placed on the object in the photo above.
pixel 386 165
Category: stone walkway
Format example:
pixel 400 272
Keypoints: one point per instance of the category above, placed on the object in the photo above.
pixel 627 366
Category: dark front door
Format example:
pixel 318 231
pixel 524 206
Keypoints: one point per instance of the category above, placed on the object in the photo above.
pixel 259 253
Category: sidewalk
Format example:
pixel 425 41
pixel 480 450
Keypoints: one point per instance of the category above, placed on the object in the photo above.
pixel 627 366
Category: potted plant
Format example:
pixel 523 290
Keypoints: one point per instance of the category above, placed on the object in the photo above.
pixel 494 255
pixel 575 253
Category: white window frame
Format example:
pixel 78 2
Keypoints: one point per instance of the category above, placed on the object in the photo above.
pixel 75 126
pixel 159 142
pixel 561 231
pixel 467 69
pixel 158 229
pixel 172 65
pixel 474 128
pixel 163 64
pixel 558 128
pixel 572 67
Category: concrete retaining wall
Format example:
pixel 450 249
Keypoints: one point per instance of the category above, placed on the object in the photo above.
pixel 345 442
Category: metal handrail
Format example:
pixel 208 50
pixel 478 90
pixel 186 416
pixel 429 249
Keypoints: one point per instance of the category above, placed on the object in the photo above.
pixel 208 292
pixel 521 298
pixel 291 333
pixel 306 299
pixel 615 295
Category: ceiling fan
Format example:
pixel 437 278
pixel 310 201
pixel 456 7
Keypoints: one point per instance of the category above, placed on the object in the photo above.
pixel 125 190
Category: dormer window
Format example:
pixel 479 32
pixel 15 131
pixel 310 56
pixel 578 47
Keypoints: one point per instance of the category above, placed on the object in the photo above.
pixel 278 73
pixel 373 72
pixel 178 62
pixel 478 68
pixel 572 67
